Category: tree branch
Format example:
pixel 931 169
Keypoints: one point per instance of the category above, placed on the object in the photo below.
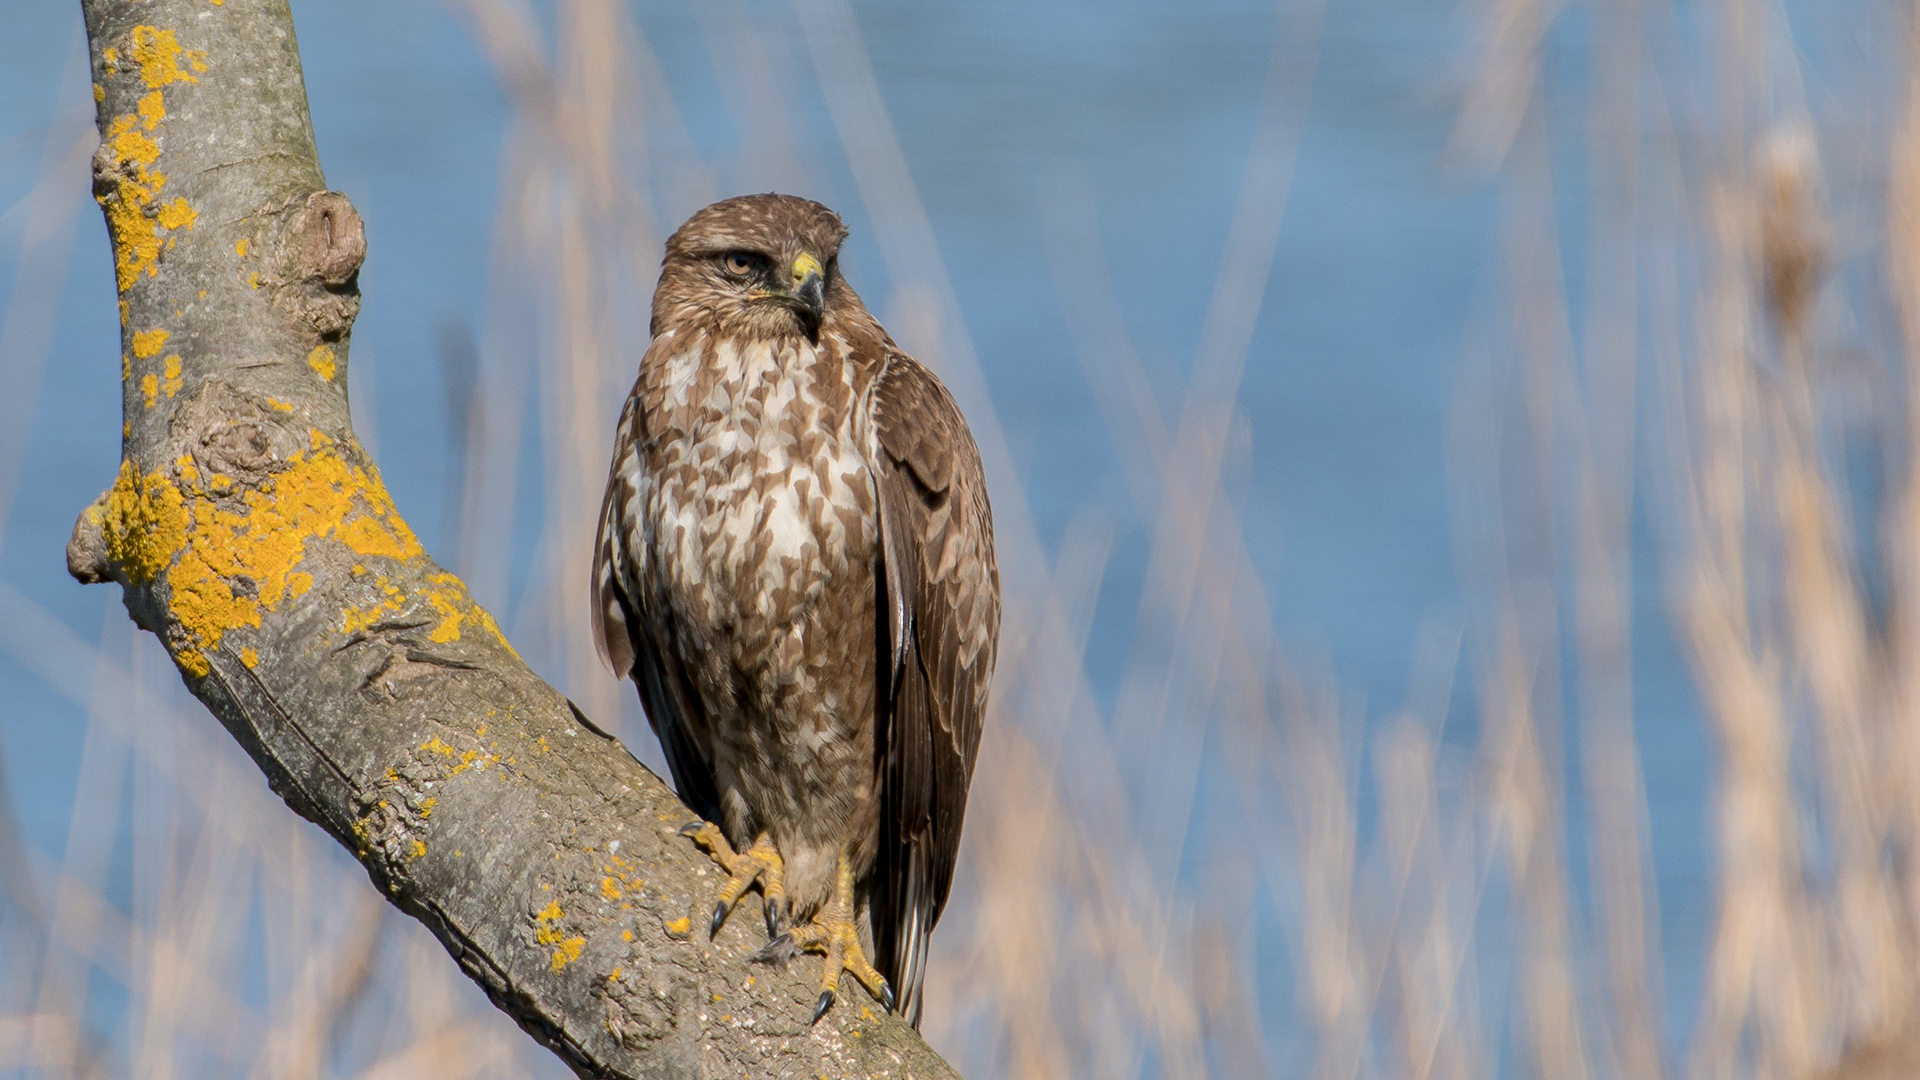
pixel 250 532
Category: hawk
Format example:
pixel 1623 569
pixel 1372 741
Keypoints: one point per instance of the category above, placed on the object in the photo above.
pixel 795 566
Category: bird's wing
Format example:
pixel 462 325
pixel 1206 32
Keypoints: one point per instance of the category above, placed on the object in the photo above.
pixel 634 637
pixel 940 591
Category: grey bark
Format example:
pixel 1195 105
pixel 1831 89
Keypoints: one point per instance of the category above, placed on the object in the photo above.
pixel 249 531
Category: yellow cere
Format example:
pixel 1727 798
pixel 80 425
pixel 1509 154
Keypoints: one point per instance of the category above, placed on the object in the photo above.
pixel 155 528
pixel 804 265
pixel 321 360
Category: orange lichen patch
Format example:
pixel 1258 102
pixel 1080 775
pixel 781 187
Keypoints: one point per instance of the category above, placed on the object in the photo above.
pixel 436 745
pixel 172 385
pixel 614 975
pixel 417 850
pixel 321 360
pixel 152 110
pixel 427 805
pixel 126 367
pixel 391 601
pixel 250 657
pixel 125 309
pixel 99 93
pixel 280 406
pixel 679 928
pixel 240 247
pixel 205 550
pixel 547 932
pixel 127 199
pixel 610 888
pixel 158 53
pixel 448 602
pixel 177 214
pixel 110 56
pixel 150 388
pixel 149 343
pixel 626 935
pixel 145 523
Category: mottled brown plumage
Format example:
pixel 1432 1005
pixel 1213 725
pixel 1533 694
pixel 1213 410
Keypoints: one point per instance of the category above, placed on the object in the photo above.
pixel 795 565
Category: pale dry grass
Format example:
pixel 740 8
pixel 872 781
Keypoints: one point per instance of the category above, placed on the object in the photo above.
pixel 1420 881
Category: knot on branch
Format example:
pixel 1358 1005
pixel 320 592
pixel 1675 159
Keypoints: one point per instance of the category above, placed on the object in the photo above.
pixel 333 239
pixel 316 268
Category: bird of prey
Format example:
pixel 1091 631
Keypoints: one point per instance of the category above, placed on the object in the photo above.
pixel 795 565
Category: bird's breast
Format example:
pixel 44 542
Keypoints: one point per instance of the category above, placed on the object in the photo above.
pixel 760 497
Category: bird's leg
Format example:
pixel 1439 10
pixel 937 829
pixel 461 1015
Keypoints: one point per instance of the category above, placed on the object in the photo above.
pixel 761 863
pixel 833 932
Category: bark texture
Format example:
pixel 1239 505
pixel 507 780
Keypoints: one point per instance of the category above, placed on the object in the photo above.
pixel 250 532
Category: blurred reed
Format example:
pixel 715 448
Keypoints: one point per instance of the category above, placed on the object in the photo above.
pixel 1395 899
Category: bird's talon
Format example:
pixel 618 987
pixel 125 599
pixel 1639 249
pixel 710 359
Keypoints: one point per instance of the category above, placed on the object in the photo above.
pixel 820 1007
pixel 776 952
pixel 886 996
pixel 719 917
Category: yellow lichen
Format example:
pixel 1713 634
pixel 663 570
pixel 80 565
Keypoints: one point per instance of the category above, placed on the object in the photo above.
pixel 448 604
pixel 158 53
pixel 610 888
pixel 150 388
pixel 546 932
pixel 280 406
pixel 240 247
pixel 149 343
pixel 250 657
pixel 437 746
pixel 419 849
pixel 99 93
pixel 172 375
pixel 204 549
pixel 680 927
pixel 125 309
pixel 110 56
pixel 152 110
pixel 614 975
pixel 178 214
pixel 427 805
pixel 321 360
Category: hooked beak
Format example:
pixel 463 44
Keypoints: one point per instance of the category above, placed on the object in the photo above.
pixel 810 289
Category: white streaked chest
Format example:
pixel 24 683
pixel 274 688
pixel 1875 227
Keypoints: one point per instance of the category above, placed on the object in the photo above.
pixel 754 490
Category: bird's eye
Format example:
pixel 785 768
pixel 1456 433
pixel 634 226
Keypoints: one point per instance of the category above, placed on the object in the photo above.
pixel 738 263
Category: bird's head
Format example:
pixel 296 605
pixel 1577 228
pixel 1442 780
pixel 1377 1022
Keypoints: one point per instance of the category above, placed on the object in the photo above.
pixel 762 266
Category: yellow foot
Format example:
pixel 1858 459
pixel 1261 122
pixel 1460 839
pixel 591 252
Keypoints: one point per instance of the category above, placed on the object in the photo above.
pixel 833 932
pixel 761 863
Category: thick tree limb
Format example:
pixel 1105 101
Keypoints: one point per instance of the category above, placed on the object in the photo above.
pixel 250 532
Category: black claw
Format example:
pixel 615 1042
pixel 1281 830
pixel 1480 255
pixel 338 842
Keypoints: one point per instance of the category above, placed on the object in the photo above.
pixel 820 1008
pixel 692 827
pixel 776 952
pixel 886 996
pixel 773 918
pixel 719 917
